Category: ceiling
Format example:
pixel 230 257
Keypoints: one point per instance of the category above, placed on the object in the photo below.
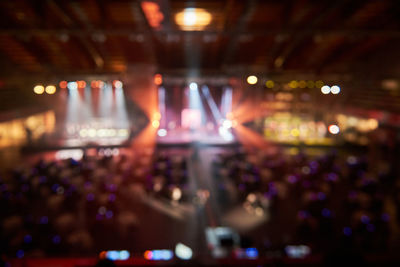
pixel 353 40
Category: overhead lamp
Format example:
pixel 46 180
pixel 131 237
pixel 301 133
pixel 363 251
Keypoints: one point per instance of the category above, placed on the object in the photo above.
pixel 193 19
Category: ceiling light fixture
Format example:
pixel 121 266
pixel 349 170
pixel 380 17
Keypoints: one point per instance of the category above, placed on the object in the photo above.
pixel 193 19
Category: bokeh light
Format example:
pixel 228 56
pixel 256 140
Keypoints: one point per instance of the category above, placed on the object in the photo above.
pixel 38 89
pixel 333 129
pixel 325 89
pixel 50 89
pixel 252 79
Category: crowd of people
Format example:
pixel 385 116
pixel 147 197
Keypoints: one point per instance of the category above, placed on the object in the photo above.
pixel 323 199
pixel 326 200
pixel 77 207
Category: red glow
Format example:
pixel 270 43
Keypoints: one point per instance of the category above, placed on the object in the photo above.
pixel 153 13
pixel 63 84
pixel 158 79
pixel 148 255
pixel 81 84
pixel 103 255
pixel 94 84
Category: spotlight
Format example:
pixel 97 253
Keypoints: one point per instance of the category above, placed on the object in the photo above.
pixel 162 132
pixel 183 252
pixel 50 89
pixel 176 193
pixel 193 19
pixel 155 124
pixel 325 89
pixel 227 124
pixel 158 79
pixel 38 89
pixel 117 84
pixel 81 84
pixel 193 86
pixel 333 129
pixel 335 89
pixel 63 84
pixel 72 85
pixel 252 79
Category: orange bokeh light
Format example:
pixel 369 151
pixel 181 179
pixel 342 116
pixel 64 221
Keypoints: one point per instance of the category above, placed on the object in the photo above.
pixel 152 13
pixel 148 255
pixel 63 84
pixel 158 79
pixel 81 84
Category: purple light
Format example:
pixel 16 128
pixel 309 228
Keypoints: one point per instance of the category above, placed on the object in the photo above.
pixel 56 239
pixel 20 254
pixel 28 239
pixel 347 231
pixel 44 220
pixel 42 179
pixel 111 197
pixel 326 212
pixel 90 197
pixel 321 196
pixel 385 217
pixel 314 165
pixel 303 214
pixel 292 179
pixel 333 177
pixel 112 187
pixel 365 219
pixel 109 214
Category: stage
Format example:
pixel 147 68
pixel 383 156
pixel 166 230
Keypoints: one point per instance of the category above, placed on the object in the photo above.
pixel 185 137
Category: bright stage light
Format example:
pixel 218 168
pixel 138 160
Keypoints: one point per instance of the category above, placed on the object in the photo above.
pixel 183 252
pixel 162 132
pixel 227 124
pixel 176 193
pixel 252 79
pixel 333 129
pixel 193 86
pixel 81 84
pixel 158 79
pixel 193 19
pixel 225 134
pixel 50 89
pixel 38 89
pixel 124 255
pixel 325 89
pixel 335 89
pixel 72 85
pixel 158 254
pixel 117 84
pixel 373 124
pixel 155 124
pixel 63 84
